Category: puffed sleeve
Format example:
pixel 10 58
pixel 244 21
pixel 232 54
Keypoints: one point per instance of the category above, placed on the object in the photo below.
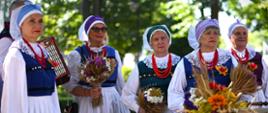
pixel 14 98
pixel 265 79
pixel 73 64
pixel 4 45
pixel 175 89
pixel 120 80
pixel 129 93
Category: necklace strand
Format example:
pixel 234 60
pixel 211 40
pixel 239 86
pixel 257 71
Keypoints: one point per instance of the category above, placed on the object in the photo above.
pixel 212 64
pixel 241 60
pixel 41 60
pixel 163 73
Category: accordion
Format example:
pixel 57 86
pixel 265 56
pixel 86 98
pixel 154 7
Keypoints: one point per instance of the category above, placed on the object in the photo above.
pixel 61 69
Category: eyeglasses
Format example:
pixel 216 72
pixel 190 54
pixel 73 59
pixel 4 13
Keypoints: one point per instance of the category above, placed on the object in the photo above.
pixel 97 30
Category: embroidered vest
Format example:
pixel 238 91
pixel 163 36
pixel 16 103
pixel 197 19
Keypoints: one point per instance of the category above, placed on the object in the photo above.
pixel 148 79
pixel 257 59
pixel 40 82
pixel 213 74
pixel 110 54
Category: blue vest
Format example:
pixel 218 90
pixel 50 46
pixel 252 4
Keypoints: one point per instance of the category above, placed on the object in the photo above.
pixel 213 75
pixel 84 53
pixel 40 81
pixel 148 79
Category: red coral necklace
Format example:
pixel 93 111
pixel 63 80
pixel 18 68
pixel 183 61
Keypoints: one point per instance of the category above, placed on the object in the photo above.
pixel 213 63
pixel 241 60
pixel 41 60
pixel 163 73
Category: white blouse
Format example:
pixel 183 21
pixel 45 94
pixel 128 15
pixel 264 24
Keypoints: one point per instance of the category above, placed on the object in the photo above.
pixel 15 98
pixel 179 82
pixel 110 95
pixel 4 45
pixel 74 62
pixel 129 94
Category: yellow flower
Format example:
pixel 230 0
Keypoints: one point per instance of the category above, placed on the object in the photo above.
pixel 222 69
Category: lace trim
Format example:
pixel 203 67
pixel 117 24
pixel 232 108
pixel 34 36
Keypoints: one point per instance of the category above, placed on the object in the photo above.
pixel 24 48
pixel 161 65
pixel 224 56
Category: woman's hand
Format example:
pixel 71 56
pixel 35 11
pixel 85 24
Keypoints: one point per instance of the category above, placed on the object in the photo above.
pixel 95 92
pixel 141 110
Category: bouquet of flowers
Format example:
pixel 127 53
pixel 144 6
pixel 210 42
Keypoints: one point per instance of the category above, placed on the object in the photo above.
pixel 96 71
pixel 211 97
pixel 152 100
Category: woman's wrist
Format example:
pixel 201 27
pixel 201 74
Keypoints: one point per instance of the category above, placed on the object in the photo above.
pixel 80 91
pixel 87 92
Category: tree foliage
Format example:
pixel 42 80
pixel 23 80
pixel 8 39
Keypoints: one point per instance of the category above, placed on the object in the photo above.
pixel 180 16
pixel 126 21
pixel 62 22
pixel 255 13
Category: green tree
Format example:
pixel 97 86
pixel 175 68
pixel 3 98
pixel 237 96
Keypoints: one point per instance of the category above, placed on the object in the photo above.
pixel 126 21
pixel 180 16
pixel 215 7
pixel 255 13
pixel 62 22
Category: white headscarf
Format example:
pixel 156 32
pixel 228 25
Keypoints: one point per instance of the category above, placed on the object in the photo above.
pixel 147 35
pixel 195 33
pixel 231 29
pixel 19 15
pixel 87 25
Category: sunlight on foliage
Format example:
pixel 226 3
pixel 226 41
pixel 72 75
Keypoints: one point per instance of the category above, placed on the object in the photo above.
pixel 126 72
pixel 181 15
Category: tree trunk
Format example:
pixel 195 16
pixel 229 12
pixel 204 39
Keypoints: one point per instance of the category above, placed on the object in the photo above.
pixel 202 13
pixel 85 8
pixel 214 8
pixel 97 7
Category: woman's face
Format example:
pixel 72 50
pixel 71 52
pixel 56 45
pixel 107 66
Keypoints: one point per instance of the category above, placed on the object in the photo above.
pixel 32 27
pixel 239 37
pixel 160 42
pixel 209 38
pixel 97 34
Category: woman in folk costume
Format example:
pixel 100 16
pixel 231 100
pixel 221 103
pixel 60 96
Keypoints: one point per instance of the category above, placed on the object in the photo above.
pixel 29 79
pixel 6 40
pixel 238 36
pixel 93 32
pixel 204 40
pixel 155 71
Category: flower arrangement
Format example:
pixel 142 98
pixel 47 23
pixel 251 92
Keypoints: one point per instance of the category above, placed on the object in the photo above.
pixel 96 71
pixel 152 100
pixel 211 97
pixel 252 66
pixel 222 69
pixel 154 95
